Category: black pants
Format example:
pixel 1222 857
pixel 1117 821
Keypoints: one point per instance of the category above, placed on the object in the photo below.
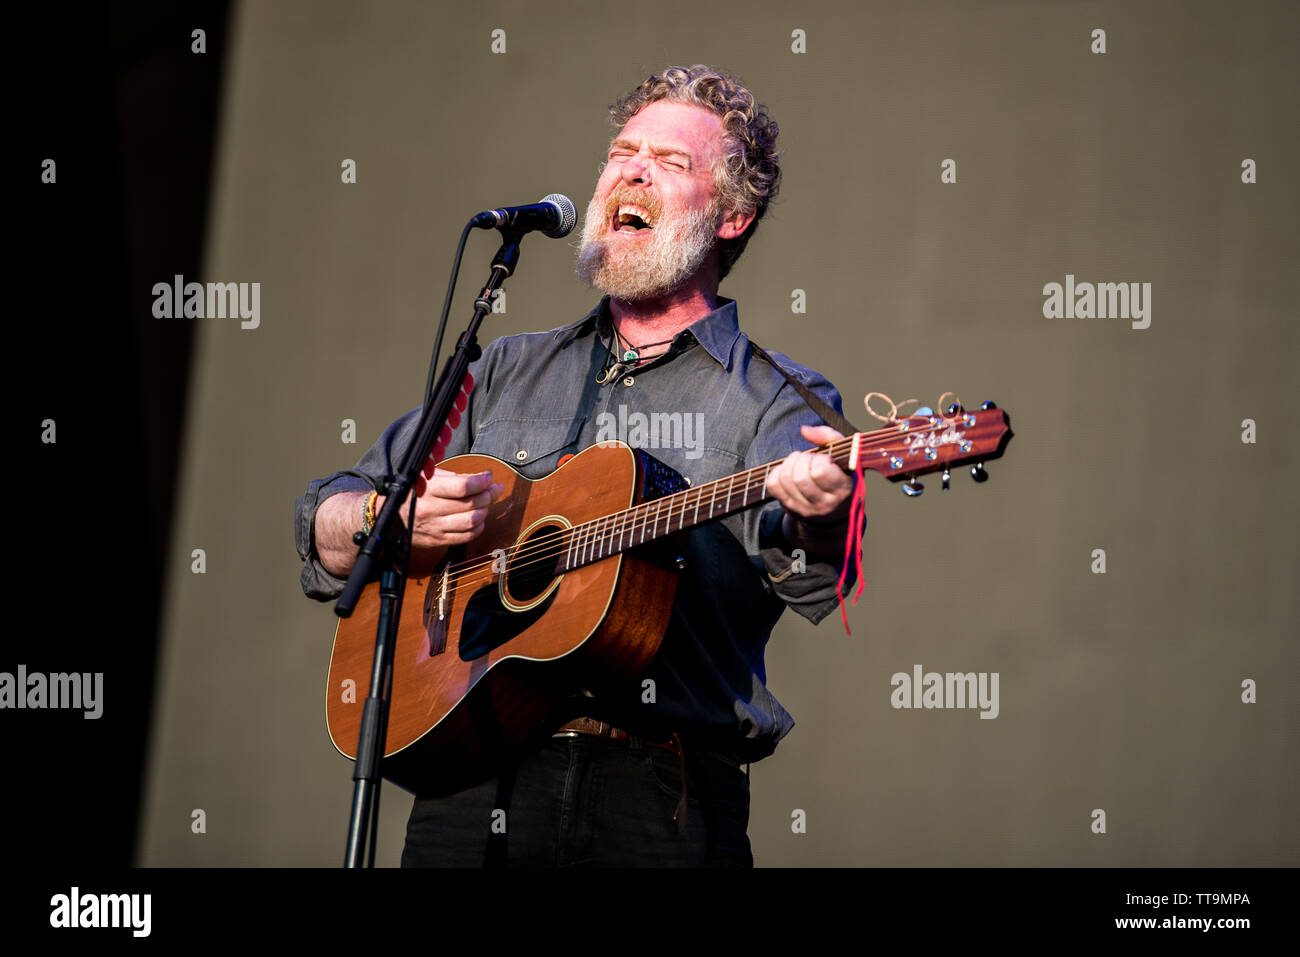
pixel 585 801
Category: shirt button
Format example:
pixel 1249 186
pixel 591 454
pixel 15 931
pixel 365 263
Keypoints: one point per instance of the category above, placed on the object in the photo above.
pixel 521 454
pixel 628 380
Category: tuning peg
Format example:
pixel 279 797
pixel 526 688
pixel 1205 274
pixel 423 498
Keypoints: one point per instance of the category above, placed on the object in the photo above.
pixel 913 488
pixel 946 475
pixel 978 474
pixel 988 405
pixel 955 409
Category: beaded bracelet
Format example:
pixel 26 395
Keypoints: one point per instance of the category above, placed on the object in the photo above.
pixel 368 514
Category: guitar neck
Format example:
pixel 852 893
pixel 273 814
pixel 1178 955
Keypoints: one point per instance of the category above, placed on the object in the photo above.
pixel 611 534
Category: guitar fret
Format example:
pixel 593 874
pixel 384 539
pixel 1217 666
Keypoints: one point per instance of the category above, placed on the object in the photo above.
pixel 611 534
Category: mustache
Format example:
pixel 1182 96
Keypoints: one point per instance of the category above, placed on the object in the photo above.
pixel 648 201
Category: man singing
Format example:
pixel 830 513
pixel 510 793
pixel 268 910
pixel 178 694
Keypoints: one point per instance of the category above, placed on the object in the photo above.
pixel 690 172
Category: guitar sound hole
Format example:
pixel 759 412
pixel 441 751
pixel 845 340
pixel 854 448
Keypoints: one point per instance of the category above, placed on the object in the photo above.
pixel 533 566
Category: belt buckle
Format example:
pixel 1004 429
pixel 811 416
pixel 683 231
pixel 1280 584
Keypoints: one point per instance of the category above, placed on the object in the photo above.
pixel 568 732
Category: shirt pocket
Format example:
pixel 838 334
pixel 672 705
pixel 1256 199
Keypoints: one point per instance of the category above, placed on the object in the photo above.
pixel 532 446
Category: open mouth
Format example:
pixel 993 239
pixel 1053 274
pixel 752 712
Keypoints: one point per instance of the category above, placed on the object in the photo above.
pixel 631 220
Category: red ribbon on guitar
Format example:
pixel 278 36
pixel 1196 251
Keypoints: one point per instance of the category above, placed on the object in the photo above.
pixel 857 524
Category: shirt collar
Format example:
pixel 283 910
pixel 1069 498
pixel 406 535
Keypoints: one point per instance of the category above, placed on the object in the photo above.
pixel 717 332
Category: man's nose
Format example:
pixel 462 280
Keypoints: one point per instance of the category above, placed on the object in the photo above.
pixel 637 169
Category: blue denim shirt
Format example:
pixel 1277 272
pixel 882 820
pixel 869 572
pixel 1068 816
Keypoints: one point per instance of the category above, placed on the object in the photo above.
pixel 536 399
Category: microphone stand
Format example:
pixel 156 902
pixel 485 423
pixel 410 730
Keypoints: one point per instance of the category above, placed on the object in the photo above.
pixel 389 553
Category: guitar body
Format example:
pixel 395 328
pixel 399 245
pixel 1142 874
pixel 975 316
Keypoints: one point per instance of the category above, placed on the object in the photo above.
pixel 493 656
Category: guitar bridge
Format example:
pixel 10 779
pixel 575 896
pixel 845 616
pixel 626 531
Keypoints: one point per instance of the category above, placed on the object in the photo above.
pixel 442 593
pixel 435 612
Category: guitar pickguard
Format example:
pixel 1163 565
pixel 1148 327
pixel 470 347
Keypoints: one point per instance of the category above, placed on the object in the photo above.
pixel 488 624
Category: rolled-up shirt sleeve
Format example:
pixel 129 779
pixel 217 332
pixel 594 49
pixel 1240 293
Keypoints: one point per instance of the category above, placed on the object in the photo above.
pixel 379 460
pixel 807 587
pixel 382 458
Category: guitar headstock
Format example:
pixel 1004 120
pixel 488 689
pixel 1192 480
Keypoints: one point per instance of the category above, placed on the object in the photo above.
pixel 929 441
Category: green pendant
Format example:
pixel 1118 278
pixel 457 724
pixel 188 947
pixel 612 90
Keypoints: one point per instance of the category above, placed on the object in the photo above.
pixel 630 356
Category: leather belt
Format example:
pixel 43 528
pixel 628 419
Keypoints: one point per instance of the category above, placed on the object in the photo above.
pixel 603 729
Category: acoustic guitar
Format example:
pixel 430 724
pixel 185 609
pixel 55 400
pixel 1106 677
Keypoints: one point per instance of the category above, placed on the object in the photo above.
pixel 569 586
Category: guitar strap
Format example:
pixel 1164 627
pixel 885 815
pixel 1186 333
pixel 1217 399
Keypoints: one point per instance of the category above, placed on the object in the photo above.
pixel 857 512
pixel 829 415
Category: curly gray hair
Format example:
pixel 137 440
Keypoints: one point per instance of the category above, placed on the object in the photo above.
pixel 749 175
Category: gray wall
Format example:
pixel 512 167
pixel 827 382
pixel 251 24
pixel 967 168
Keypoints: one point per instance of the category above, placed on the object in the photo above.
pixel 1119 691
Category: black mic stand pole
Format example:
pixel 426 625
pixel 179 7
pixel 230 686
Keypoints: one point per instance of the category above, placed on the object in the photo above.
pixel 389 552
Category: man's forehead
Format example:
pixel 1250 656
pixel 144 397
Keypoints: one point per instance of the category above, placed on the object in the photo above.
pixel 673 126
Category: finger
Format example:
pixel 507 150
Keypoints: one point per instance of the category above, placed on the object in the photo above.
pixel 436 528
pixel 451 538
pixel 817 494
pixel 820 434
pixel 485 498
pixel 824 487
pixel 445 484
pixel 794 497
pixel 826 479
pixel 448 506
pixel 464 521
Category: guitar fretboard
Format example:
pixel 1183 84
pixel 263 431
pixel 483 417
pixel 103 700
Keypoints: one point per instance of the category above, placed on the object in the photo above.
pixel 603 537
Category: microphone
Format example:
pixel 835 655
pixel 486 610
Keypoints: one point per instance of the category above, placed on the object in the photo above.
pixel 555 216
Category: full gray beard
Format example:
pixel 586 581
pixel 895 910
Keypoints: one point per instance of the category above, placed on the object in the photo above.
pixel 645 269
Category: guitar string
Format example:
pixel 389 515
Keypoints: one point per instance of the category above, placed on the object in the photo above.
pixel 638 514
pixel 553 543
pixel 754 480
pixel 619 525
